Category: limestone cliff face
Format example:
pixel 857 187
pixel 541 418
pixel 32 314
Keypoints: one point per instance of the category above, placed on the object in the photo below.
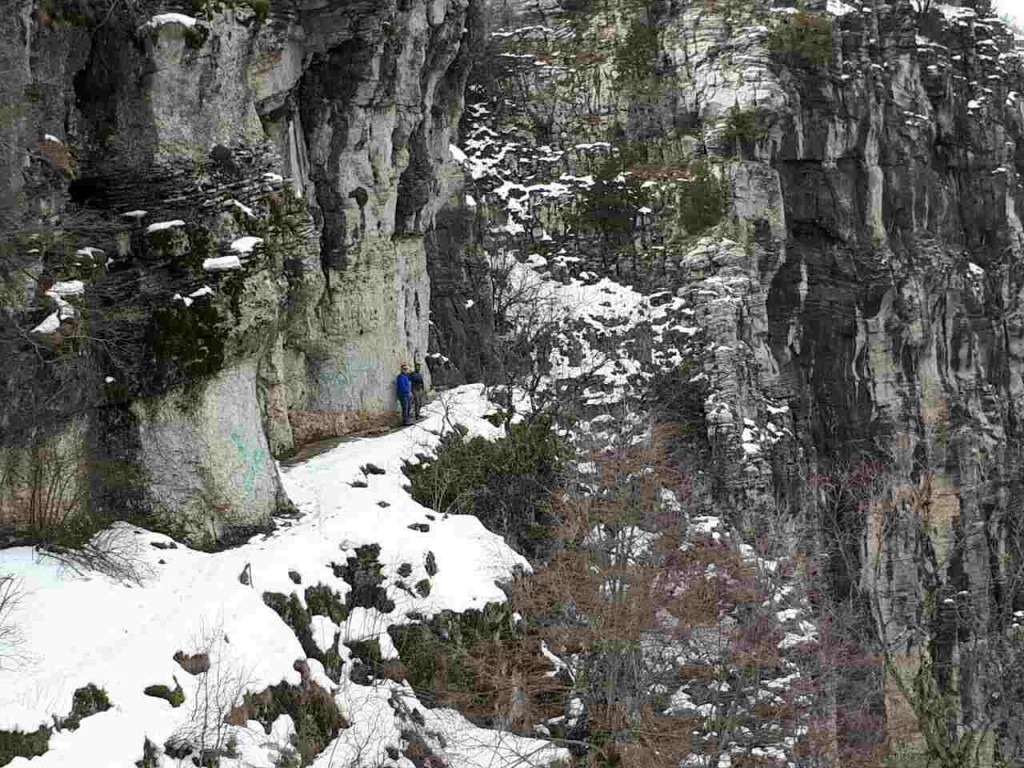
pixel 836 193
pixel 243 190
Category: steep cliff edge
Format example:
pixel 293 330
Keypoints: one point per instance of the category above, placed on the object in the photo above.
pixel 214 217
pixel 834 190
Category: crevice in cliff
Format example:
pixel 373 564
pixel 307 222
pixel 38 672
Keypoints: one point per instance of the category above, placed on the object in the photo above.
pixel 328 90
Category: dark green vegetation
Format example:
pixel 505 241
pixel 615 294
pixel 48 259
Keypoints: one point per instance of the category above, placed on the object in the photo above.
pixel 175 697
pixel 324 601
pixel 803 38
pixel 20 744
pixel 438 654
pixel 86 701
pixel 741 129
pixel 317 718
pixel 637 53
pixel 703 200
pixel 188 338
pixel 292 613
pixel 697 197
pixel 505 483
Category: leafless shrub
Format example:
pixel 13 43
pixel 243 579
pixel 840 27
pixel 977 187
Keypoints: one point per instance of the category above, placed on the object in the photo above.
pixel 11 639
pixel 40 486
pixel 207 731
pixel 115 552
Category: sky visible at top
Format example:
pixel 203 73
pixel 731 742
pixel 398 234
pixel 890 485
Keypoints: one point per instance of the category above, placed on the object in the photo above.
pixel 1014 8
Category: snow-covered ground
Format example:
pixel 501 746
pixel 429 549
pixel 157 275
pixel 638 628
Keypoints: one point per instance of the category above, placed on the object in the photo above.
pixel 81 627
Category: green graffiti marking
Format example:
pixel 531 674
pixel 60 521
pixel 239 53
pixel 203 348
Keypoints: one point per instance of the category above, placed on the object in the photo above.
pixel 251 459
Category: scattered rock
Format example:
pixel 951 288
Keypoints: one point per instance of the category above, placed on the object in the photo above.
pixel 431 564
pixel 360 674
pixel 383 504
pixel 175 697
pixel 295 576
pixel 163 544
pixel 405 570
pixel 359 484
pixel 150 756
pixel 363 574
pixel 177 748
pixel 372 469
pixel 194 664
pixel 224 158
pixel 421 527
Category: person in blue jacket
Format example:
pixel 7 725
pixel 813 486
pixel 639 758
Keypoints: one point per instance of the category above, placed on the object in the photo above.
pixel 416 379
pixel 404 391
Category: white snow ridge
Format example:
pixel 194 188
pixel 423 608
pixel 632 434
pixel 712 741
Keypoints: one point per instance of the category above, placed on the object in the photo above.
pixel 121 634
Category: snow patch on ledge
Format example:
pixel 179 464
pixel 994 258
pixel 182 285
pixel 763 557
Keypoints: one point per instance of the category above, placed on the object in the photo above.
pixel 245 244
pixel 68 288
pixel 457 154
pixel 222 263
pixel 170 18
pixel 160 226
pixel 838 8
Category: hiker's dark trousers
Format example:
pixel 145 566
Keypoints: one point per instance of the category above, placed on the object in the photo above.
pixel 406 404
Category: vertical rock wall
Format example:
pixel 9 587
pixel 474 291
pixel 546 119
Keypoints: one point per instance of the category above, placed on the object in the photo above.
pixel 292 161
pixel 859 297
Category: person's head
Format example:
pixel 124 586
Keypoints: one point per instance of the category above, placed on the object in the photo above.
pixel 405 367
pixel 416 365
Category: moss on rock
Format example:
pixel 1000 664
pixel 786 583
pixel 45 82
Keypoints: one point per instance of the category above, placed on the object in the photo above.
pixel 313 710
pixel 186 341
pixel 175 697
pixel 321 600
pixel 297 617
pixel 18 743
pixel 86 701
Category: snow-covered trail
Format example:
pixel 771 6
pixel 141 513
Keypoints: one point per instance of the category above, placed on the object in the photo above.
pixel 81 628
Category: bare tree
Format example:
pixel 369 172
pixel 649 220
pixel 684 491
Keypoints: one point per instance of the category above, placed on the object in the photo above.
pixel 535 327
pixel 11 639
pixel 207 732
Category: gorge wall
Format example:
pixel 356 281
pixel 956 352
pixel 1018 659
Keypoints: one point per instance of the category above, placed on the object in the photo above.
pixel 214 218
pixel 834 189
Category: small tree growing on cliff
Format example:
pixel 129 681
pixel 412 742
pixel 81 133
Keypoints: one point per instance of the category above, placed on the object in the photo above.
pixel 535 328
